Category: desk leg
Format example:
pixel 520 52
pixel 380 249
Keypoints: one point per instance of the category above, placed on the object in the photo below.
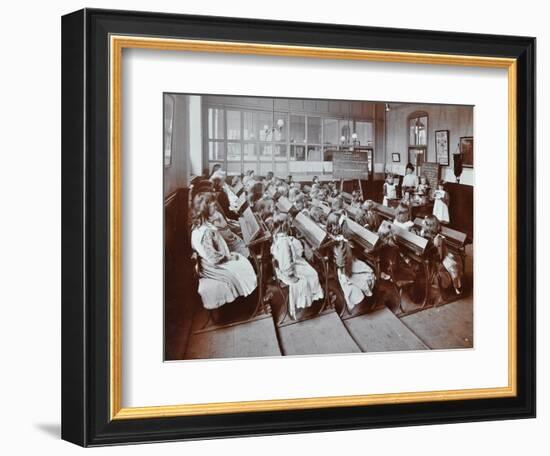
pixel 261 307
pixel 427 287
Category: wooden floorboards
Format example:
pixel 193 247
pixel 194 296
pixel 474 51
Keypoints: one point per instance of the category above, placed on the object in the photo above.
pixel 254 338
pixel 381 331
pixel 321 335
pixel 444 327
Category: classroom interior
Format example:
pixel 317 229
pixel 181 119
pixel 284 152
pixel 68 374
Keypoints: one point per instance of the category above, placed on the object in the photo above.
pixel 303 144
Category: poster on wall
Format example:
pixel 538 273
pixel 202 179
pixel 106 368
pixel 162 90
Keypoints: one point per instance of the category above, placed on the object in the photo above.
pixel 442 147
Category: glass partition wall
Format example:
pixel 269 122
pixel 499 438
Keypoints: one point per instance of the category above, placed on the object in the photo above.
pixel 285 142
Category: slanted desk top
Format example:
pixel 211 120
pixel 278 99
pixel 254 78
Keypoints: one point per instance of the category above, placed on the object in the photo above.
pixel 364 237
pixel 315 235
pixel 413 242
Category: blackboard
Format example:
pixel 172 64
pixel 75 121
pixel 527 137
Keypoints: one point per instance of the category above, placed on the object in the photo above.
pixel 432 172
pixel 350 164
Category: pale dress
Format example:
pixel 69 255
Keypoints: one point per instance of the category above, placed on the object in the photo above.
pixel 451 262
pixel 410 180
pixel 390 192
pixel 360 283
pixel 233 199
pixel 441 210
pixel 221 280
pixel 290 265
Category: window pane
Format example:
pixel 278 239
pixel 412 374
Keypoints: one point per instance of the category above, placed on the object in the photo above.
pixel 233 125
pixel 260 125
pixel 331 132
pixel 234 151
pixel 297 129
pixel 314 130
pixel 257 125
pixel 279 152
pixel 412 132
pixel 418 131
pixel 423 131
pixel 364 132
pixel 281 127
pixel 266 152
pixel 314 153
pixel 263 121
pixel 329 151
pixel 297 152
pixel 249 126
pixel 215 123
pixel 344 130
pixel 250 152
pixel 216 151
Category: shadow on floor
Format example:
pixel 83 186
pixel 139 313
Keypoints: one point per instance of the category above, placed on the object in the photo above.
pixel 51 429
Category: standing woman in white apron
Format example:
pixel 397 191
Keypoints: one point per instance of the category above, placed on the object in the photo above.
pixel 441 204
pixel 390 190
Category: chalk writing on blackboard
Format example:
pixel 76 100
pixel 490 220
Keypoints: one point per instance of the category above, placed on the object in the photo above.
pixel 432 172
pixel 350 164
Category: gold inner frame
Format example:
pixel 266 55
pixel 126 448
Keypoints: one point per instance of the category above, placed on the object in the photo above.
pixel 117 44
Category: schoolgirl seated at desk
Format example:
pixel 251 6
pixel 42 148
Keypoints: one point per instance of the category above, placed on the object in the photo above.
pixel 423 188
pixel 337 205
pixel 317 214
pixel 224 195
pixel 388 252
pixel 403 217
pixel 224 275
pixel 371 220
pixel 450 268
pixel 265 208
pixel 292 269
pixel 356 278
pixel 224 227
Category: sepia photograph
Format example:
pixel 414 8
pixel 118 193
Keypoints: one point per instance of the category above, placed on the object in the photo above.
pixel 305 235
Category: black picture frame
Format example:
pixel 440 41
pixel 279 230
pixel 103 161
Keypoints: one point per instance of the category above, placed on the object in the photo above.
pixel 86 384
pixel 396 157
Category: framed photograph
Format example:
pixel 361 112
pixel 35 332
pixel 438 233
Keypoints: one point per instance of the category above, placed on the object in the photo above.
pixel 467 151
pixel 215 241
pixel 442 147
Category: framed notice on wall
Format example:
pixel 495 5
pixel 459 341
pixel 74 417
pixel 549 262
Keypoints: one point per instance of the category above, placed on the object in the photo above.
pixel 442 147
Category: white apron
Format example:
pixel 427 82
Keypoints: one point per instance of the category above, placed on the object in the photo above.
pixel 441 210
